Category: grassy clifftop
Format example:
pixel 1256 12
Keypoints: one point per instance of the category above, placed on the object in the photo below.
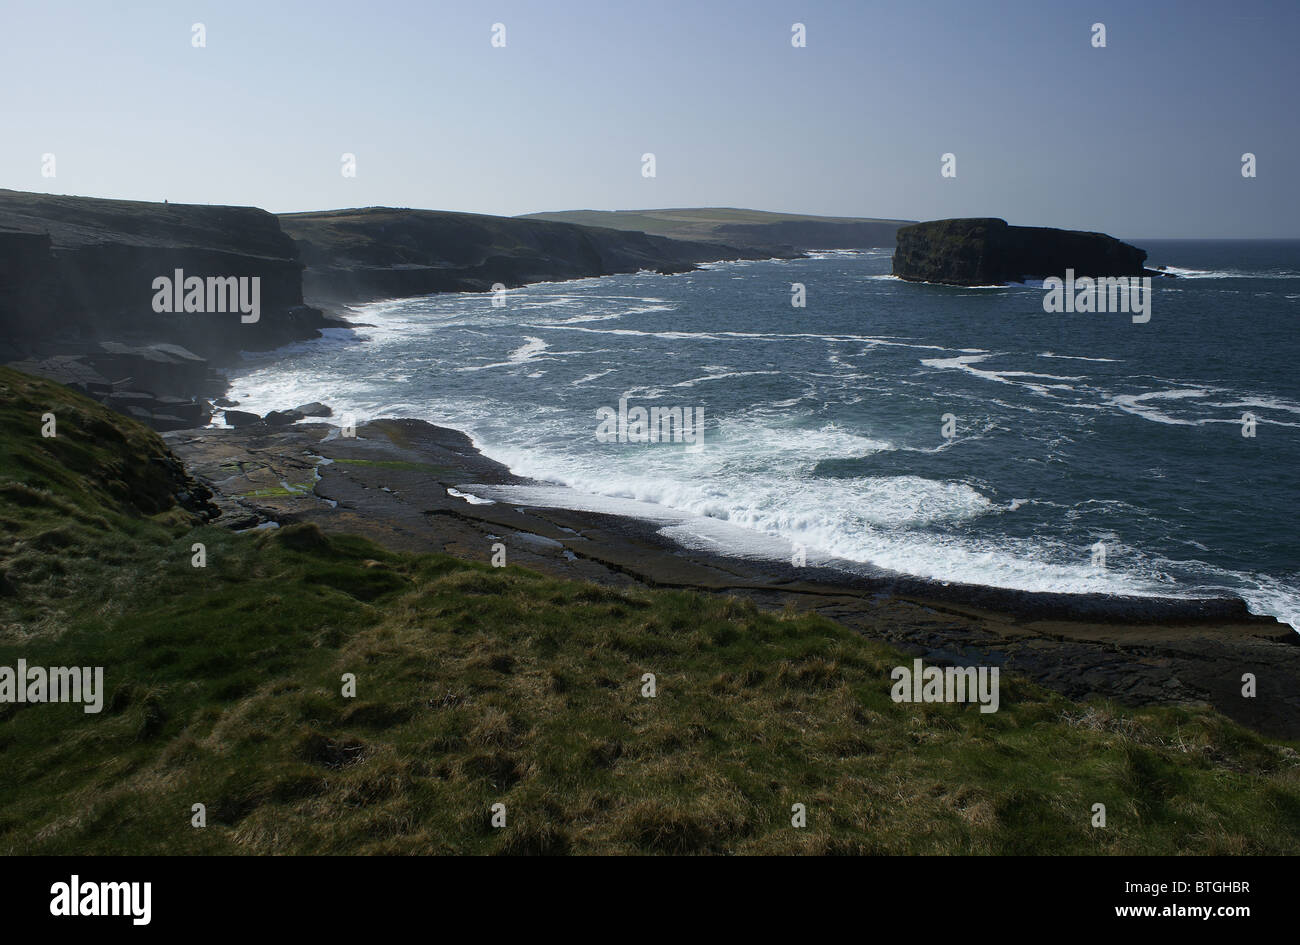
pixel 752 228
pixel 477 686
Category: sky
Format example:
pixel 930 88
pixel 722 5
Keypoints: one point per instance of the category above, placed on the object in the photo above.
pixel 1141 138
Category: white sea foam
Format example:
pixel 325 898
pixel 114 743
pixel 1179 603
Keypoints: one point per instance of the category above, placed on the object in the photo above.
pixel 1076 357
pixel 1184 273
pixel 521 355
pixel 773 527
pixel 469 497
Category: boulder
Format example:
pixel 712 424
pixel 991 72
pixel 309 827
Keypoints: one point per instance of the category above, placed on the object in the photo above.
pixel 195 413
pixel 241 418
pixel 282 418
pixel 313 409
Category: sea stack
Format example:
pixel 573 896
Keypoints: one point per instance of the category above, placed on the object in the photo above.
pixel 987 251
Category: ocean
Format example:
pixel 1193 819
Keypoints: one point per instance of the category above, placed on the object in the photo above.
pixel 956 434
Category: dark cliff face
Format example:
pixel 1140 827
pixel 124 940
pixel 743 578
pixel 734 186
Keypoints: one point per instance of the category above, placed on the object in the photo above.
pixel 81 270
pixel 986 251
pixel 380 252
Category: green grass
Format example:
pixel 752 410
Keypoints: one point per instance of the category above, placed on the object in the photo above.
pixel 292 488
pixel 688 223
pixel 478 685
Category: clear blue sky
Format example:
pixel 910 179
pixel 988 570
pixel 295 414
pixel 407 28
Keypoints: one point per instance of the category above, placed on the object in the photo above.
pixel 1142 139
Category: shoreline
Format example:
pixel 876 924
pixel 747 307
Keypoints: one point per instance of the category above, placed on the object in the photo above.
pixel 1036 604
pixel 390 484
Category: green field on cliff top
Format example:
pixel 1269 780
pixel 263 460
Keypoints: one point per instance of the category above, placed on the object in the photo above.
pixel 477 686
pixel 691 223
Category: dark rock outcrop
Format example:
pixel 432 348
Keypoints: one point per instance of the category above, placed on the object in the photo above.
pixel 676 269
pixel 986 251
pixel 241 418
pixel 282 418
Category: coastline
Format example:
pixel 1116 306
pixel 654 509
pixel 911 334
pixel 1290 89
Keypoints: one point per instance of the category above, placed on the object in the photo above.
pixel 390 484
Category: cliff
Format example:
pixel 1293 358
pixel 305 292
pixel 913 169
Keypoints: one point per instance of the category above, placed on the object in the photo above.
pixel 986 251
pixel 380 252
pixel 76 271
pixel 78 274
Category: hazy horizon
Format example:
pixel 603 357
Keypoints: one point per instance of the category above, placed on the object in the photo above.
pixel 1143 138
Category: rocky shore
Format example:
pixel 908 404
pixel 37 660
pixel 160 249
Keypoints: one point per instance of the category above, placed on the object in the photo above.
pixel 391 483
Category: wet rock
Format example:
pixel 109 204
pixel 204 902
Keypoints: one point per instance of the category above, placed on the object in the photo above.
pixel 195 413
pixel 676 268
pixel 162 368
pixel 282 418
pixel 164 422
pixel 241 418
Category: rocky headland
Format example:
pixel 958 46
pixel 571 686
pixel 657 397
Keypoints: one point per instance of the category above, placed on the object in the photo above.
pixel 373 253
pixel 988 251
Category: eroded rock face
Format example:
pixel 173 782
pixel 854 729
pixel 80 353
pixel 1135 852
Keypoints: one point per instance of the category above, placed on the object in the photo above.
pixel 383 252
pixel 81 269
pixel 987 251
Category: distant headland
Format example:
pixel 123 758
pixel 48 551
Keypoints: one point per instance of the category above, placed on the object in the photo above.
pixel 988 251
